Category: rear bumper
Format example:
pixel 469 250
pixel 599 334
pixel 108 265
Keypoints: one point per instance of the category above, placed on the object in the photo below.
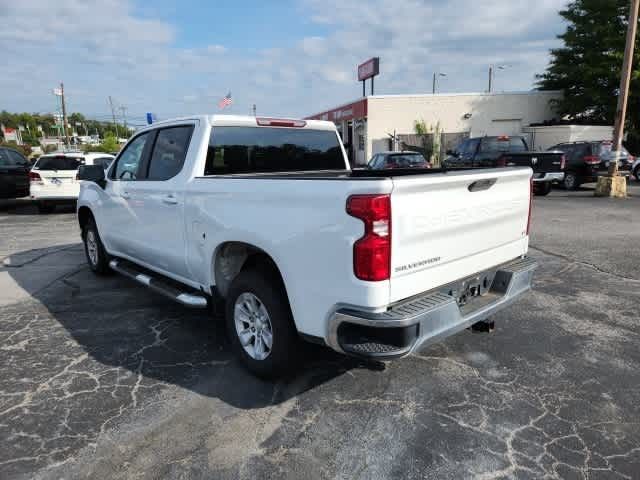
pixel 55 193
pixel 420 321
pixel 550 177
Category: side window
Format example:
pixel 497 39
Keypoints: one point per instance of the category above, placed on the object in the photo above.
pixel 15 159
pixel 4 158
pixel 130 158
pixel 580 151
pixel 169 152
pixel 471 146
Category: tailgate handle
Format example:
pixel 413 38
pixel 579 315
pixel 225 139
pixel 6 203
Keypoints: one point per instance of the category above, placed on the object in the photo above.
pixel 480 185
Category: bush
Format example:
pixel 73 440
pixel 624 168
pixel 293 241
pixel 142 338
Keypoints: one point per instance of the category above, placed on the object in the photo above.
pixel 24 149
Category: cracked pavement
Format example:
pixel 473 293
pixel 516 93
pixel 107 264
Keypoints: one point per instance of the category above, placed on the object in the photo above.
pixel 101 378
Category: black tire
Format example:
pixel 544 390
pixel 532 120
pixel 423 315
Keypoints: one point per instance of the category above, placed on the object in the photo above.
pixel 44 207
pixel 542 189
pixel 284 351
pixel 571 181
pixel 98 260
pixel 636 173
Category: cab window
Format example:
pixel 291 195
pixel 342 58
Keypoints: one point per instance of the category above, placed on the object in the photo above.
pixel 130 159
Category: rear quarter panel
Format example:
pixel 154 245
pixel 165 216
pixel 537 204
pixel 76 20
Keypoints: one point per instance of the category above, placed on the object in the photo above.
pixel 301 224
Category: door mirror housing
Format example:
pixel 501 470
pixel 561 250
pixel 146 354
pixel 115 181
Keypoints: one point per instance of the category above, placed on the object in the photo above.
pixel 92 173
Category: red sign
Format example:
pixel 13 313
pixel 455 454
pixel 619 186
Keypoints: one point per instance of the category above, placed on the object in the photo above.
pixel 369 69
pixel 345 112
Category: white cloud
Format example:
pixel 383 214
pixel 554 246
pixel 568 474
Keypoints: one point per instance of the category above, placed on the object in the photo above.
pixel 103 47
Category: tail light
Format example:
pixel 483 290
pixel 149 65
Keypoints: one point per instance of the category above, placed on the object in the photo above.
pixel 591 160
pixel 372 252
pixel 563 162
pixel 280 122
pixel 530 204
pixel 35 178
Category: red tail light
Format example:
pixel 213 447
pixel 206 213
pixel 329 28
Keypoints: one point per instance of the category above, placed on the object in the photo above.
pixel 35 177
pixel 530 204
pixel 372 252
pixel 563 162
pixel 591 160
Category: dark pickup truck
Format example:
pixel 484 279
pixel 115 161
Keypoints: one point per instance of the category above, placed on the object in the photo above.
pixel 505 151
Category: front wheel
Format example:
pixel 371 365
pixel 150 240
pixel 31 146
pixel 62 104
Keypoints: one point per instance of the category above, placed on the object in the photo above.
pixel 571 181
pixel 97 256
pixel 260 325
pixel 542 188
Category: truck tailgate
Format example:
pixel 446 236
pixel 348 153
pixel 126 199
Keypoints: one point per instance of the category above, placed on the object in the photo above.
pixel 448 226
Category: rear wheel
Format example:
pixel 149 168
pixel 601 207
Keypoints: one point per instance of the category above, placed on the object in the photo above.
pixel 636 173
pixel 44 207
pixel 571 181
pixel 97 256
pixel 542 188
pixel 260 325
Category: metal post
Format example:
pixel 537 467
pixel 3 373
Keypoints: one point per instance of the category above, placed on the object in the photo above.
pixel 372 85
pixel 64 115
pixel 625 77
pixel 433 87
pixel 364 93
pixel 490 77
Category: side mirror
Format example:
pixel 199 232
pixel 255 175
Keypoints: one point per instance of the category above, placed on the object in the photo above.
pixel 92 173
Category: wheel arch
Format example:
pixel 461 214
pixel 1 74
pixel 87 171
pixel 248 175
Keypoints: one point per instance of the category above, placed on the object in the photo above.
pixel 84 216
pixel 232 257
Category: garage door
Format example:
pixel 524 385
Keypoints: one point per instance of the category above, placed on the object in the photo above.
pixel 505 127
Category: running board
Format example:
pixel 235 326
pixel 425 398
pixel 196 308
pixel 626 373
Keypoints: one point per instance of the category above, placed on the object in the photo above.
pixel 157 285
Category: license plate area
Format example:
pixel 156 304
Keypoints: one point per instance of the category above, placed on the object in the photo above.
pixel 470 289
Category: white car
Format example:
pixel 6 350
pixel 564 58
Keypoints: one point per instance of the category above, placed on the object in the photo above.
pixel 53 177
pixel 266 216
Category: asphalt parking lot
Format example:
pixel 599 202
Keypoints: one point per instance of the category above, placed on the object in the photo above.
pixel 100 378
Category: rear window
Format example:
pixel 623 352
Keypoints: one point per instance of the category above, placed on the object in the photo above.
pixel 58 163
pixel 605 150
pixel 269 149
pixel 502 144
pixel 407 160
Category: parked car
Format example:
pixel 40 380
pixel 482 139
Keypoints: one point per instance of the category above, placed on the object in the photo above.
pixel 506 151
pixel 635 168
pixel 407 159
pixel 586 161
pixel 266 215
pixel 54 177
pixel 14 174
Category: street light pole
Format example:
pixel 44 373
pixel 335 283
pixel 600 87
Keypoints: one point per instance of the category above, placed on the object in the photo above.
pixel 435 80
pixel 490 77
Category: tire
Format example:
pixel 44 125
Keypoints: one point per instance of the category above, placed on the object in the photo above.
pixel 543 190
pixel 571 181
pixel 46 207
pixel 636 173
pixel 97 257
pixel 257 304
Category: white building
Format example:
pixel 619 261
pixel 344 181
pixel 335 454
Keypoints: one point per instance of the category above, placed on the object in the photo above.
pixel 367 125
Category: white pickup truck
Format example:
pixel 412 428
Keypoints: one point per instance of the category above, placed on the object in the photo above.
pixel 266 215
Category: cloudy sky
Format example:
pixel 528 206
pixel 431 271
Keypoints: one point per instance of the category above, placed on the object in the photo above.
pixel 290 57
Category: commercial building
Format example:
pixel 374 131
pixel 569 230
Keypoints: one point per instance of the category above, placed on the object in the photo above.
pixel 373 123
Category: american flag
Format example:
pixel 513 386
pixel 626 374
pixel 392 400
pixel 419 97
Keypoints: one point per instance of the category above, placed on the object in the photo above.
pixel 225 102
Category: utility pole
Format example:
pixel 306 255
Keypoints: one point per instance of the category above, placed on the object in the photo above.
pixel 123 109
pixel 614 185
pixel 113 114
pixel 64 115
pixel 253 109
pixel 435 80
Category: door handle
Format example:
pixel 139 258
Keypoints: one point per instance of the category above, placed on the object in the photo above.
pixel 125 195
pixel 169 200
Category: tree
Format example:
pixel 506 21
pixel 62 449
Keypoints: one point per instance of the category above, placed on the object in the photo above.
pixel 587 67
pixel 109 144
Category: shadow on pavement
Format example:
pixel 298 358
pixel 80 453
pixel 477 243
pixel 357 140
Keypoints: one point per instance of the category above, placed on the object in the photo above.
pixel 121 324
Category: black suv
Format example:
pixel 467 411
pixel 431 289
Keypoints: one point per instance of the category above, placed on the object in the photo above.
pixel 586 161
pixel 14 174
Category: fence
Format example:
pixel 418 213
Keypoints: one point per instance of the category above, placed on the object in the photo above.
pixel 425 144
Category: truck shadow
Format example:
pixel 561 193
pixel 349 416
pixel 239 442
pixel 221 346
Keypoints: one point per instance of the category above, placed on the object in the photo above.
pixel 121 324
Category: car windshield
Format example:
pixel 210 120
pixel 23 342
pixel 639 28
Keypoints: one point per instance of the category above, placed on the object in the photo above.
pixel 58 163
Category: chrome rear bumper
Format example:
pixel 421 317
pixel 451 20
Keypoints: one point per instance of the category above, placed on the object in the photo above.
pixel 420 321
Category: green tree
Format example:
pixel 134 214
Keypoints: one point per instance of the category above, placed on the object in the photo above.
pixel 587 67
